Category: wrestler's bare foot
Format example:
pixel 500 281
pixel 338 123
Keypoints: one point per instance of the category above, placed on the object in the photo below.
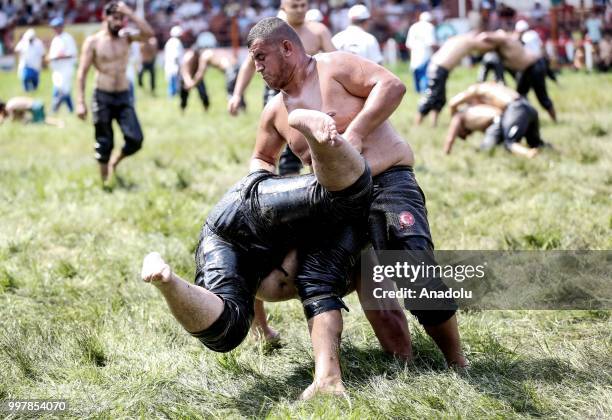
pixel 327 386
pixel 461 364
pixel 104 172
pixel 531 153
pixel 155 270
pixel 315 125
pixel 112 166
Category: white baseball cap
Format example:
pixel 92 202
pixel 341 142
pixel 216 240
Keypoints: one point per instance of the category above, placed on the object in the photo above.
pixel 314 15
pixel 206 40
pixel 521 26
pixel 29 34
pixel 359 12
pixel 176 31
pixel 425 17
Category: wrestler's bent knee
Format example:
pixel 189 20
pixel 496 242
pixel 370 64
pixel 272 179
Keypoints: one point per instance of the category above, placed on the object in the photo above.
pixel 229 330
pixel 132 145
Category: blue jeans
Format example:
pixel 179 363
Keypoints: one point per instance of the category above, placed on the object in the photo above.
pixel 420 77
pixel 173 85
pixel 29 79
pixel 58 98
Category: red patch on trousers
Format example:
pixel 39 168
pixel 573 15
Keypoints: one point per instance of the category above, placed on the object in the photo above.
pixel 406 219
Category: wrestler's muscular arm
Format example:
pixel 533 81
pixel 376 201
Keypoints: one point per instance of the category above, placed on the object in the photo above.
pixel 144 29
pixel 462 98
pixel 453 130
pixel 247 70
pixel 269 142
pixel 364 79
pixel 184 69
pixel 200 72
pixel 87 57
pixel 490 39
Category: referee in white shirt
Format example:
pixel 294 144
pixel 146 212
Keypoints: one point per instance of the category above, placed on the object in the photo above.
pixel 355 39
pixel 62 58
pixel 421 40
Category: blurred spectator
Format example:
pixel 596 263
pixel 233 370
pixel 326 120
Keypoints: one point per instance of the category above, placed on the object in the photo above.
pixel 134 63
pixel 506 15
pixel 314 15
pixel 338 18
pixel 148 54
pixel 62 58
pixel 565 48
pixel 173 54
pixel 356 39
pixel 491 62
pixel 605 52
pixel 594 26
pixel 421 40
pixel 31 53
pixel 538 12
pixel 4 20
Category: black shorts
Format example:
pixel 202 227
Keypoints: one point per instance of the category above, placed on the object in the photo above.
pixel 253 227
pixel 265 210
pixel 326 268
pixel 534 77
pixel 109 106
pixel 519 120
pixel 232 274
pixel 435 95
pixel 493 135
pixel 398 221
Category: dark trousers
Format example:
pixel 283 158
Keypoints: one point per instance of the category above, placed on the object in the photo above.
pixel 150 68
pixel 201 91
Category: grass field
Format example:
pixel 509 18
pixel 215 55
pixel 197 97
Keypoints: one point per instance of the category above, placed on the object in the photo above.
pixel 77 324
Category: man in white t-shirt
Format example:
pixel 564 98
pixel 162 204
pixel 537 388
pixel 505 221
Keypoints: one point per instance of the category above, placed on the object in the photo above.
pixel 173 55
pixel 421 41
pixel 528 37
pixel 31 52
pixel 355 39
pixel 62 60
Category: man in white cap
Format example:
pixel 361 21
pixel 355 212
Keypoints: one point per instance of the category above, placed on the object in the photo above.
pixel 62 58
pixel 355 39
pixel 31 52
pixel 421 40
pixel 314 15
pixel 530 38
pixel 173 54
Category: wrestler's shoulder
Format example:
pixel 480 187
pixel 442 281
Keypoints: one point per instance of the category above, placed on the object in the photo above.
pixel 275 111
pixel 207 55
pixel 316 27
pixel 94 40
pixel 334 57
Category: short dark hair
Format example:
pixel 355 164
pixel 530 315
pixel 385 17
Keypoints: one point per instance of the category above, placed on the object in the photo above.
pixel 273 29
pixel 110 7
pixel 2 107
